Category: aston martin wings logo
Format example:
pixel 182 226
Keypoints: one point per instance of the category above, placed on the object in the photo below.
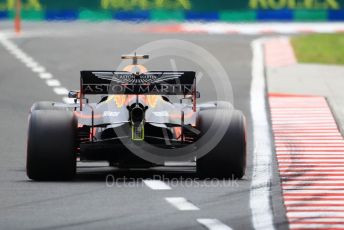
pixel 144 78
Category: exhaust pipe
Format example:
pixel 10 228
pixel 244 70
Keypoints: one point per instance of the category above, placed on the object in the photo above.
pixel 137 115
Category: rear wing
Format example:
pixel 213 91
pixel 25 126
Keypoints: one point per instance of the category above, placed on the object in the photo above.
pixel 149 83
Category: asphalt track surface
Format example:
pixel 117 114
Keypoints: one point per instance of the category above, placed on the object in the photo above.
pixel 87 202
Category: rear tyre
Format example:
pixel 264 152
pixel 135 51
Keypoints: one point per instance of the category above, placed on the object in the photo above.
pixel 45 105
pixel 228 159
pixel 51 147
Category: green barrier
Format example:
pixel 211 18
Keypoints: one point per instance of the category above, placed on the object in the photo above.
pixel 237 16
pixel 91 15
pixel 296 4
pixel 32 15
pixel 167 15
pixel 310 15
pixel 29 15
pixel 179 10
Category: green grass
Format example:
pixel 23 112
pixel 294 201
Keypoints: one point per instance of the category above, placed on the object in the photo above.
pixel 319 48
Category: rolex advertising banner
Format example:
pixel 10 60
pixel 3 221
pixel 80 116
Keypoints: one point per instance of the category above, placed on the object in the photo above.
pixel 227 10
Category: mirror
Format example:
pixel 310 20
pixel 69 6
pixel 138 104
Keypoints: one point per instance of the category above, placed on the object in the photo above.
pixel 73 94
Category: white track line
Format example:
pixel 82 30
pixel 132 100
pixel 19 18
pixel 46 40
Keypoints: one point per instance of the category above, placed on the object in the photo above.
pixel 45 75
pixel 262 154
pixel 213 224
pixel 60 91
pixel 53 82
pixel 156 185
pixel 38 69
pixel 181 204
pixel 35 67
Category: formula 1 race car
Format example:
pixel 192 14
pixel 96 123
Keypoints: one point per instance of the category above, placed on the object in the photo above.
pixel 135 124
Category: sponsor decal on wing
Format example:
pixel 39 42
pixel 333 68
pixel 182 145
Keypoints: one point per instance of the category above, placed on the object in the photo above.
pixel 145 78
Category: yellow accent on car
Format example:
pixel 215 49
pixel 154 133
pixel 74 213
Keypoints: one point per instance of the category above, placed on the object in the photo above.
pixel 138 133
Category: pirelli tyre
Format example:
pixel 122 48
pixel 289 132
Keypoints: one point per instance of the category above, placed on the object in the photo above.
pixel 228 159
pixel 45 105
pixel 51 146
